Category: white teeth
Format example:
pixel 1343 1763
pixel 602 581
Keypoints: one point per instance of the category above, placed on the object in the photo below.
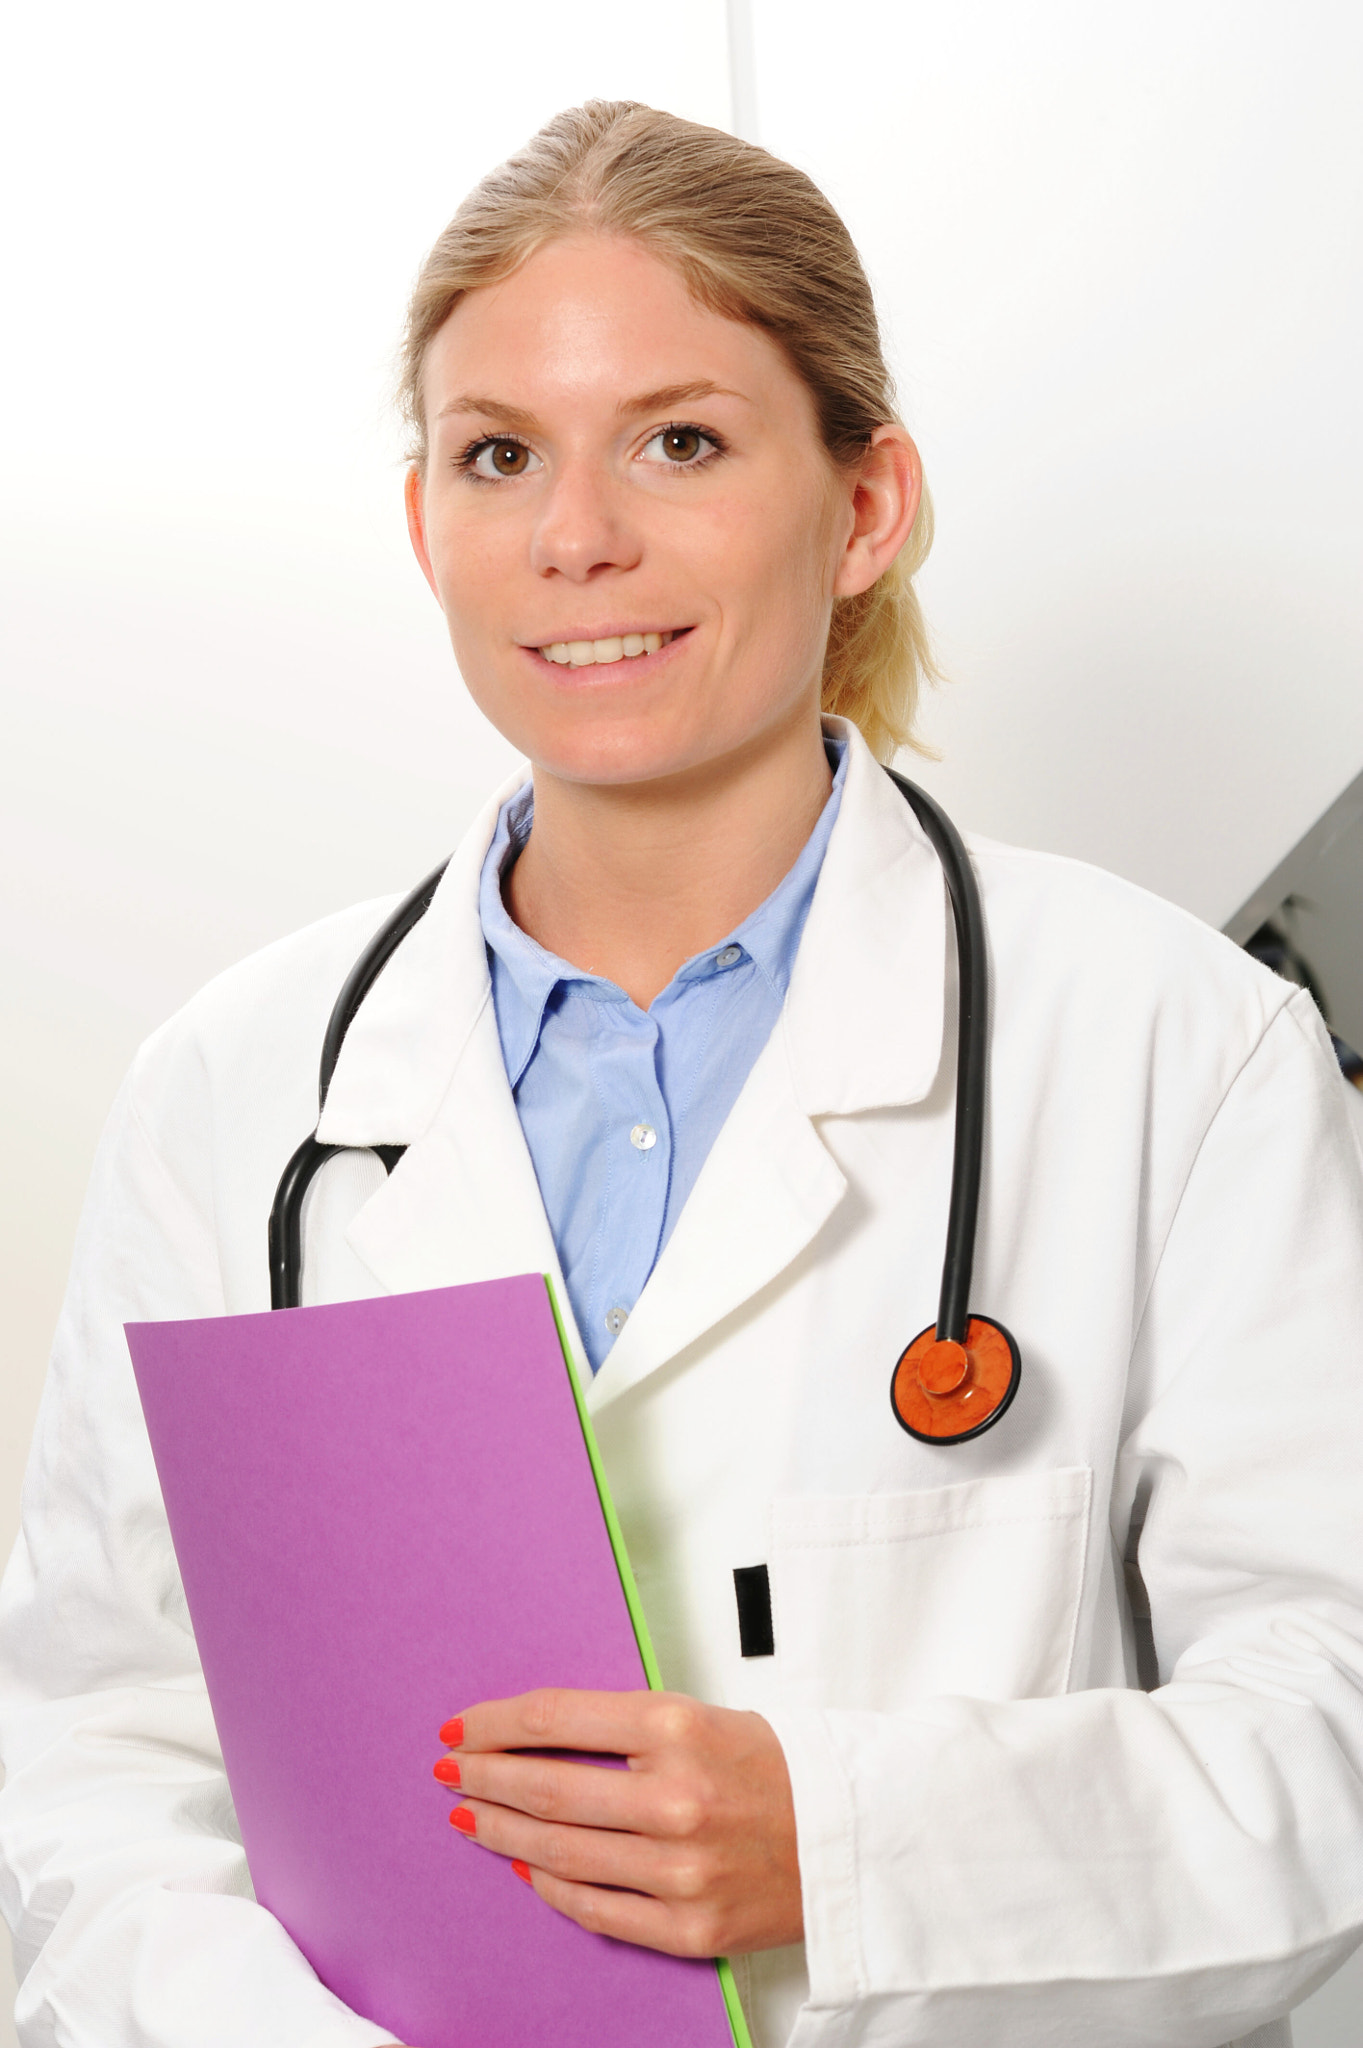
pixel 586 653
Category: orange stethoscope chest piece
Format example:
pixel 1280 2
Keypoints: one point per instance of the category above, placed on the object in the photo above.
pixel 943 1392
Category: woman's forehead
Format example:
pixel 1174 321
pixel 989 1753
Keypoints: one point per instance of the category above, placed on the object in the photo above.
pixel 601 318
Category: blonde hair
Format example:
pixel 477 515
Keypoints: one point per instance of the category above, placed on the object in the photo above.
pixel 755 240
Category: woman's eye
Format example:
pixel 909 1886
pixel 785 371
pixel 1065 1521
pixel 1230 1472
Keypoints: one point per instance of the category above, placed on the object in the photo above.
pixel 680 446
pixel 493 459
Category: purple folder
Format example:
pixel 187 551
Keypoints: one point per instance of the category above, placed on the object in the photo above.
pixel 384 1511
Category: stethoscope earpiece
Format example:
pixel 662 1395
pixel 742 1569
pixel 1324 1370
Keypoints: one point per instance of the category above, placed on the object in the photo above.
pixel 944 1393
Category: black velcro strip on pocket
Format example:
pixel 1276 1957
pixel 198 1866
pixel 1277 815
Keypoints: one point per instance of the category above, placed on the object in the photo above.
pixel 752 1589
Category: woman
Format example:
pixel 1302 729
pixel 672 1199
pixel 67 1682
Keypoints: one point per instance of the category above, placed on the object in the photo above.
pixel 677 1029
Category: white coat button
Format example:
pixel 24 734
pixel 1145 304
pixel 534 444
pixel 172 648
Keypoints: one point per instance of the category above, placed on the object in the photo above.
pixel 616 1318
pixel 727 955
pixel 643 1138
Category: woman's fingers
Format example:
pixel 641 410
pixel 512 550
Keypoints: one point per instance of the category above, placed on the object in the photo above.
pixel 590 1856
pixel 557 1718
pixel 692 1849
pixel 690 1930
pixel 587 1795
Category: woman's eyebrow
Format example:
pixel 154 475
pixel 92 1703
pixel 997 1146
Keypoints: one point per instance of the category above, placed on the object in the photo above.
pixel 668 396
pixel 490 409
pixel 665 399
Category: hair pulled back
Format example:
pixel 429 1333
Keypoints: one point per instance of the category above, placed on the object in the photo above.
pixel 755 240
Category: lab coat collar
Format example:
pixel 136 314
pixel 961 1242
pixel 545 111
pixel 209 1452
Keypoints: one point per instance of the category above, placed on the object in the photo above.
pixel 863 1018
pixel 422 1066
pixel 862 1024
pixel 861 1029
pixel 415 1024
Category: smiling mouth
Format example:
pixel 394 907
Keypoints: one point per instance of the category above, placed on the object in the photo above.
pixel 621 647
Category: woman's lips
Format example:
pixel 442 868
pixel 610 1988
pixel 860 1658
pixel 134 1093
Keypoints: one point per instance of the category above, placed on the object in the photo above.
pixel 604 653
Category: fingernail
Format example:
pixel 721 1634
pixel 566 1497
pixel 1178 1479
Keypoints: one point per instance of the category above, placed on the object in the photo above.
pixel 462 1819
pixel 452 1734
pixel 447 1770
pixel 522 1871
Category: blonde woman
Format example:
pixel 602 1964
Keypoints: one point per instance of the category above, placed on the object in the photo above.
pixel 678 1028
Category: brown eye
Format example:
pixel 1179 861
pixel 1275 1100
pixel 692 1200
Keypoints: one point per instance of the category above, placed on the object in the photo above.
pixel 493 459
pixel 681 444
pixel 681 447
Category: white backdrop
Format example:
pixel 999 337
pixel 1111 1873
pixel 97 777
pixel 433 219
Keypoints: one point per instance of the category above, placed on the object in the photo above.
pixel 1117 251
pixel 1114 254
pixel 229 702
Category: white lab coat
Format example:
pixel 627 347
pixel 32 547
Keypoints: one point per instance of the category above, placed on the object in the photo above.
pixel 1001 1837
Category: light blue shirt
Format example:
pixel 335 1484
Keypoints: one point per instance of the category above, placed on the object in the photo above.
pixel 619 1105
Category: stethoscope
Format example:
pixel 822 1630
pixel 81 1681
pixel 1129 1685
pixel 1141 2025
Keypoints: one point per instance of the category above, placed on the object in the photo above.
pixel 960 1374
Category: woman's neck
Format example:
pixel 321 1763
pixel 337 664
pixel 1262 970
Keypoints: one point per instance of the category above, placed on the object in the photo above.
pixel 629 882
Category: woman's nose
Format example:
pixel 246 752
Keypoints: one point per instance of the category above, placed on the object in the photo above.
pixel 583 527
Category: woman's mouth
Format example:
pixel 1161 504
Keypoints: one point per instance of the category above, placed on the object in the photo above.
pixel 619 647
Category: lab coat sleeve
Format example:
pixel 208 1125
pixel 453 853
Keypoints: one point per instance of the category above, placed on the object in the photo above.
pixel 1113 1868
pixel 123 1875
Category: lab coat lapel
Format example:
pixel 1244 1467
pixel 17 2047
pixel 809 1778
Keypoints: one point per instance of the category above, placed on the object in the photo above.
pixel 463 1203
pixel 862 1029
pixel 766 1189
pixel 422 1066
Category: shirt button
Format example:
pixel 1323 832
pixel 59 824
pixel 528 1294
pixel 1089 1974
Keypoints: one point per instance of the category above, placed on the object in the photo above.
pixel 615 1319
pixel 727 955
pixel 643 1138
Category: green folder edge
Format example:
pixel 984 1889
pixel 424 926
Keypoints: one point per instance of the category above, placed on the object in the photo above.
pixel 738 2024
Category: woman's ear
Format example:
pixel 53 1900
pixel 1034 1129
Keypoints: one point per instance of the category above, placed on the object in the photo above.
pixel 886 490
pixel 416 525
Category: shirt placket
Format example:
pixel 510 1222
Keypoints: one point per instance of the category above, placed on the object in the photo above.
pixel 637 1134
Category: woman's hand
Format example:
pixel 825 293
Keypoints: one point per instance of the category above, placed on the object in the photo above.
pixel 691 1849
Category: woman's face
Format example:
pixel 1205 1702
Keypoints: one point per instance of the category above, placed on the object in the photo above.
pixel 613 467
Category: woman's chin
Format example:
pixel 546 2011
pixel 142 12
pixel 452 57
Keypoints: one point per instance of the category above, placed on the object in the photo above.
pixel 623 754
pixel 621 761
pixel 602 745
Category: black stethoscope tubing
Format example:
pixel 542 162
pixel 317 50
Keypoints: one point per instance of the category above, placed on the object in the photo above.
pixel 972 1057
pixel 953 1314
pixel 286 1212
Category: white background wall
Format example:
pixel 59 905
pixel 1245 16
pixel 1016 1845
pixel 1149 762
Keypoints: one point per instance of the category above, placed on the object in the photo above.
pixel 1114 253
pixel 1117 252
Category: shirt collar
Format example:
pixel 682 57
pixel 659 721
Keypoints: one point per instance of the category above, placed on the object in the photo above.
pixel 770 935
pixel 862 1026
pixel 525 975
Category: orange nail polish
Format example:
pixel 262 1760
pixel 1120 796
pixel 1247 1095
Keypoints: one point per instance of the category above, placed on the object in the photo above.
pixel 447 1770
pixel 462 1819
pixel 522 1870
pixel 452 1734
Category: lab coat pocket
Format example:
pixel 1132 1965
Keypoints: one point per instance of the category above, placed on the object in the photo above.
pixel 882 1599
